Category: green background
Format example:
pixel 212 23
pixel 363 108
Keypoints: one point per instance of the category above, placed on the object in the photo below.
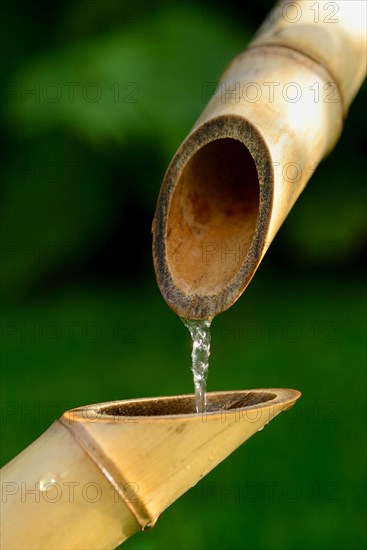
pixel 82 318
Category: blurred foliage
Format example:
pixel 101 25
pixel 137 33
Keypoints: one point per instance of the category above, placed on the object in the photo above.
pixel 95 113
pixel 116 87
pixel 144 80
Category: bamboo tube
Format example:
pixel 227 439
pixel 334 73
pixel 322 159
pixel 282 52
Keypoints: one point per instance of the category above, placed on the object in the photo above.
pixel 104 472
pixel 277 112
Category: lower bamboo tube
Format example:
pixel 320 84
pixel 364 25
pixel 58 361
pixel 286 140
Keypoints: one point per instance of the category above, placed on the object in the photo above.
pixel 103 472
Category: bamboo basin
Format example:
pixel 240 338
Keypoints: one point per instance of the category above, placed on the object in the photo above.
pixel 103 472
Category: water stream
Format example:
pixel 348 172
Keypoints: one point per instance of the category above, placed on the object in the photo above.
pixel 200 334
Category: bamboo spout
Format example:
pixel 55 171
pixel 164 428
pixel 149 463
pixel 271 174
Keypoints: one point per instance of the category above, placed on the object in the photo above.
pixel 277 112
pixel 103 472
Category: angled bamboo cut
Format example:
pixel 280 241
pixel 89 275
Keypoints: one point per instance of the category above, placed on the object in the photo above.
pixel 101 473
pixel 277 112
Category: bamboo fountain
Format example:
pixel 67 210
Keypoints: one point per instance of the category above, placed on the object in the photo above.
pixel 103 472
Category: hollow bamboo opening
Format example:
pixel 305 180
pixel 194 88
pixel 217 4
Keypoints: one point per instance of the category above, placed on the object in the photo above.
pixel 213 216
pixel 185 404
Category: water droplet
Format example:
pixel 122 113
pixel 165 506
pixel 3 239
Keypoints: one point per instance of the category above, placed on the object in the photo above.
pixel 47 481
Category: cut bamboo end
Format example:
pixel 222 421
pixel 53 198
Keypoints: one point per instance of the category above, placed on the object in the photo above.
pixel 277 112
pixel 212 216
pixel 163 447
pixel 106 471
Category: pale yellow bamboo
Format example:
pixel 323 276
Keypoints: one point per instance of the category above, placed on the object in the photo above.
pixel 104 472
pixel 47 498
pixel 331 33
pixel 277 112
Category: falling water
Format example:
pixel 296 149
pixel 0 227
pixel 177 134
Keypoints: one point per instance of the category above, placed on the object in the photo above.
pixel 200 334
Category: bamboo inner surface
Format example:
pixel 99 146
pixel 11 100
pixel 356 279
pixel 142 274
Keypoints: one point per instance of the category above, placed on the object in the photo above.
pixel 185 404
pixel 213 216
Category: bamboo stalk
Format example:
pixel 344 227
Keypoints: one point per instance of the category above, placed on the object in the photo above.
pixel 277 112
pixel 103 472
